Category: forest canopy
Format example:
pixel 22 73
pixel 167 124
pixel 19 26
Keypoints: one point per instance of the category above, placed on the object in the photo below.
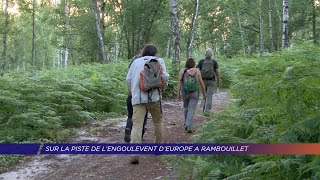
pixel 56 33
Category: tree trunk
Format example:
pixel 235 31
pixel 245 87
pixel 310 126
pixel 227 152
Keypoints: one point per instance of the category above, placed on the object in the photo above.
pixel 122 29
pixel 149 26
pixel 59 58
pixel 4 40
pixel 270 28
pixel 278 11
pixel 103 15
pixel 193 28
pixel 141 30
pixel 168 48
pixel 262 46
pixel 241 33
pixel 175 32
pixel 314 17
pixel 98 27
pixel 33 58
pixel 68 38
pixel 279 28
pixel 285 24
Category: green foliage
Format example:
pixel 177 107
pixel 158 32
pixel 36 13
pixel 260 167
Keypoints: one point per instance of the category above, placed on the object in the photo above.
pixel 37 106
pixel 7 161
pixel 171 90
pixel 276 100
pixel 67 29
pixel 227 72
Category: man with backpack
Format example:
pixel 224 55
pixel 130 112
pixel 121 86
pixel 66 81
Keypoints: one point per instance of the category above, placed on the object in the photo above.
pixel 127 131
pixel 146 79
pixel 210 76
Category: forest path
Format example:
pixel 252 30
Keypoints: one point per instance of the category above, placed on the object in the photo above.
pixel 98 167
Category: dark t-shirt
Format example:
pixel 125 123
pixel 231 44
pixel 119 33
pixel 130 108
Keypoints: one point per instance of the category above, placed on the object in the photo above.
pixel 215 66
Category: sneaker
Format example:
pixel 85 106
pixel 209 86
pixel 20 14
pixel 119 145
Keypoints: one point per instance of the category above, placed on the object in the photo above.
pixel 134 160
pixel 188 129
pixel 127 135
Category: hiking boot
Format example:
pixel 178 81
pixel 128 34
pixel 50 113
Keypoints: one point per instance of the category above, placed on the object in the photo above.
pixel 134 160
pixel 127 135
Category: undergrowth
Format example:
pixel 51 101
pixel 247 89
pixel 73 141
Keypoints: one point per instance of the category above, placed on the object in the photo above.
pixel 276 99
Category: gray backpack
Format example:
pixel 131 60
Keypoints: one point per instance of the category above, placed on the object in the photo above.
pixel 151 76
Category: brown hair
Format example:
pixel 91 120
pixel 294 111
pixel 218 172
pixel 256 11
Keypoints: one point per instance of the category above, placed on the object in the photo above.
pixel 190 63
pixel 149 50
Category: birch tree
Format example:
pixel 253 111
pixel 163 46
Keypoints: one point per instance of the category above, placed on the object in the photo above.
pixel 98 27
pixel 103 15
pixel 314 19
pixel 68 31
pixel 122 29
pixel 262 45
pixel 33 58
pixel 285 28
pixel 193 28
pixel 4 40
pixel 270 28
pixel 175 31
pixel 241 33
pixel 168 48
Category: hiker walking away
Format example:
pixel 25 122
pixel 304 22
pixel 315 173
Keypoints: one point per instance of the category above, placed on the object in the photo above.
pixel 211 77
pixel 127 131
pixel 146 95
pixel 188 85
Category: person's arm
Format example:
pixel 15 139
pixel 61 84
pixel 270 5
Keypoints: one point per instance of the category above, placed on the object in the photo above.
pixel 129 78
pixel 218 77
pixel 179 85
pixel 203 88
pixel 217 74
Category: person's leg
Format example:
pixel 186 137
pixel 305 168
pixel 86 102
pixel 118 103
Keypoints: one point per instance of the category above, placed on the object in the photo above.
pixel 210 85
pixel 204 101
pixel 139 112
pixel 193 101
pixel 130 112
pixel 145 123
pixel 185 116
pixel 185 98
pixel 154 110
pixel 127 131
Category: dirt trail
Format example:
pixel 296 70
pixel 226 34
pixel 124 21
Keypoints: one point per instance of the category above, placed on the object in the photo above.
pixel 98 167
